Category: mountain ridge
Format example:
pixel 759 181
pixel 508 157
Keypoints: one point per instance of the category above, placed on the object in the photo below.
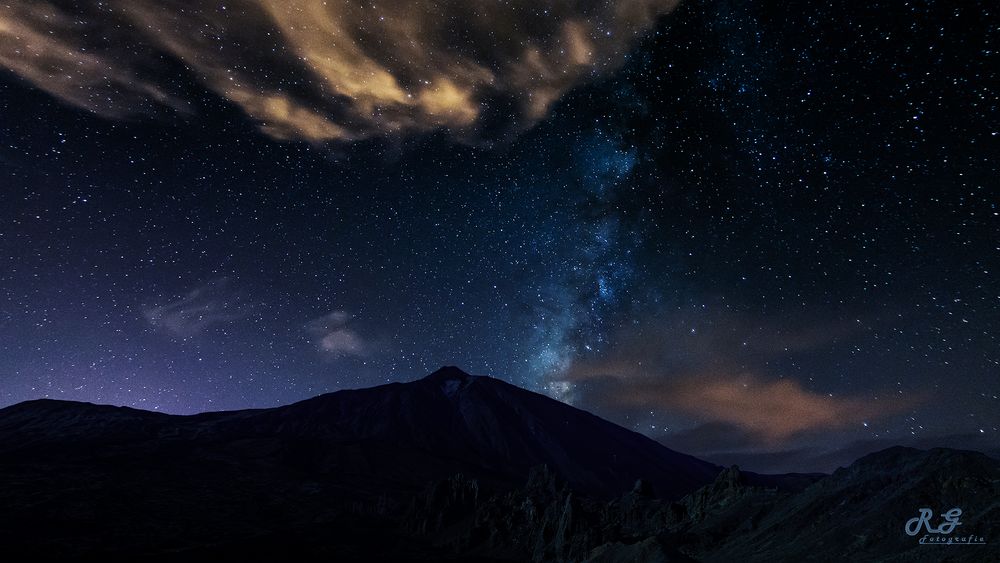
pixel 449 413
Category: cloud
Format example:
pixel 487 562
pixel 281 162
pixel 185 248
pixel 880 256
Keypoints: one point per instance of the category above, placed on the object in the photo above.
pixel 335 339
pixel 210 304
pixel 700 340
pixel 334 70
pixel 770 410
pixel 714 378
pixel 62 55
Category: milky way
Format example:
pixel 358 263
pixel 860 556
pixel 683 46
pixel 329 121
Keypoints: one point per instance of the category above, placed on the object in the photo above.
pixel 756 232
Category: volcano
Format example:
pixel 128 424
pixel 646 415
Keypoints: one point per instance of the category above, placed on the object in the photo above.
pixel 451 466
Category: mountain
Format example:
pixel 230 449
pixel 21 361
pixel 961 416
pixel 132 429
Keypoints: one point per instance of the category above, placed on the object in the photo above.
pixel 400 434
pixel 448 467
pixel 82 478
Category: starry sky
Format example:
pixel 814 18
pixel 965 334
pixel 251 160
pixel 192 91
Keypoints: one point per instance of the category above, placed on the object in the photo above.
pixel 757 232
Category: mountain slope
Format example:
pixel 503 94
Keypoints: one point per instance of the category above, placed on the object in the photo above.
pixel 860 511
pixel 98 480
pixel 401 434
pixel 497 428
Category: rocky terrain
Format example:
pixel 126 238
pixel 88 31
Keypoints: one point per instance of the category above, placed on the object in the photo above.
pixel 450 467
pixel 856 514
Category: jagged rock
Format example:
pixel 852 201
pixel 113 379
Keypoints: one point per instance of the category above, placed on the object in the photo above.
pixel 443 504
pixel 727 488
pixel 649 550
pixel 543 482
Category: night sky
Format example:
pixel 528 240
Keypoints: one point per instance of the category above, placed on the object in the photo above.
pixel 756 231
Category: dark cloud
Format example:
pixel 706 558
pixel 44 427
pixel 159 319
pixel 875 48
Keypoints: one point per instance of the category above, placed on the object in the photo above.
pixel 710 438
pixel 210 304
pixel 326 70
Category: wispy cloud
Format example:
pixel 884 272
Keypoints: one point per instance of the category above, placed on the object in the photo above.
pixel 335 339
pixel 210 304
pixel 61 54
pixel 326 70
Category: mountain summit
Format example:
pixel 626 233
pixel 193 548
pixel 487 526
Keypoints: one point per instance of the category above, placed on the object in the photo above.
pixel 451 421
pixel 448 373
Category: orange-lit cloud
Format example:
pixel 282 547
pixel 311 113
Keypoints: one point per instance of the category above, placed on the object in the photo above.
pixel 773 410
pixel 53 50
pixel 318 70
pixel 715 369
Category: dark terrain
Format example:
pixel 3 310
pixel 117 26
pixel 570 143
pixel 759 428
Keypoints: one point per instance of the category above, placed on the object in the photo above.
pixel 448 467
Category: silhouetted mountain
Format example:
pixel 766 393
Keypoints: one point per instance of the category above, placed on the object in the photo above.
pixel 401 434
pixel 451 466
pixel 485 427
